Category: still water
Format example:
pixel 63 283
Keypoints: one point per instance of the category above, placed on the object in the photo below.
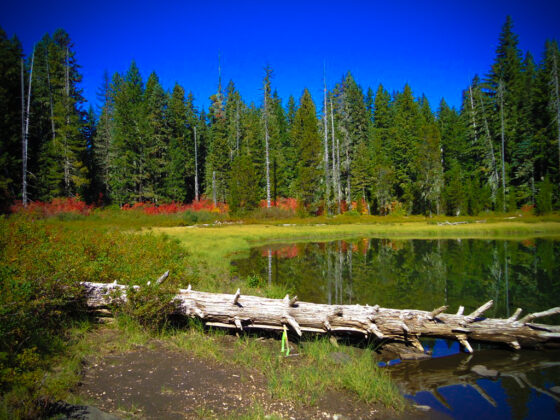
pixel 425 274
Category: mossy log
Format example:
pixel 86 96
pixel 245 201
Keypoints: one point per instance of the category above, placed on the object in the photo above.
pixel 402 325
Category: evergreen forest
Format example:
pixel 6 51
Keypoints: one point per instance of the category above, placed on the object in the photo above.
pixel 362 149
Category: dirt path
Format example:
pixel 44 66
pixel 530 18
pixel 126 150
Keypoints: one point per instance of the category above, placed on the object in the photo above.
pixel 155 382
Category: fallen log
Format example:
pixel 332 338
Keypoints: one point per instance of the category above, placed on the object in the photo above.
pixel 241 312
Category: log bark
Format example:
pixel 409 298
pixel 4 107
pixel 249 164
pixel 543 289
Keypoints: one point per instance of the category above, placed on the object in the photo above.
pixel 244 312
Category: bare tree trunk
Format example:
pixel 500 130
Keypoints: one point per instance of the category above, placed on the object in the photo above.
pixel 266 147
pixel 495 177
pixel 326 144
pixel 196 166
pixel 26 136
pixel 237 128
pixel 50 92
pixel 335 172
pixel 339 177
pixel 348 181
pixel 23 147
pixel 214 188
pixel 66 156
pixel 556 88
pixel 501 99
pixel 472 110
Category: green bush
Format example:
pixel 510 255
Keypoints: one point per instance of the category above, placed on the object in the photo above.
pixel 42 263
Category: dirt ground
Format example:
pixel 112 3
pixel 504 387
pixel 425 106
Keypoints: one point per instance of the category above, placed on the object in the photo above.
pixel 155 382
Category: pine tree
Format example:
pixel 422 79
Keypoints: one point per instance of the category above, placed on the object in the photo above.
pixel 157 139
pixel 104 137
pixel 305 132
pixel 11 122
pixel 404 144
pixel 60 145
pixel 504 85
pixel 128 175
pixel 218 163
pixel 243 185
pixel 176 179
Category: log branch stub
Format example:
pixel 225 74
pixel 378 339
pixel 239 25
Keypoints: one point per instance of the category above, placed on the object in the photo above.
pixel 437 311
pixel 460 310
pixel 162 278
pixel 462 338
pixel 514 345
pixel 515 315
pixel 237 323
pixel 290 320
pixel 236 297
pixel 475 314
pixel 530 317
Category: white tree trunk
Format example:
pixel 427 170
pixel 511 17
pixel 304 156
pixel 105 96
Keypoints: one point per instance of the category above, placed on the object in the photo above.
pixel 326 144
pixel 26 135
pixel 196 166
pixel 214 188
pixel 494 177
pixel 473 113
pixel 556 100
pixel 266 146
pixel 501 99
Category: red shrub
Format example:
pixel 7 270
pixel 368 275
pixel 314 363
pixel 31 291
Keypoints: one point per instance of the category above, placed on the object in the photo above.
pixel 55 207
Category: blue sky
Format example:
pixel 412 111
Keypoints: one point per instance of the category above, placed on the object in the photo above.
pixel 435 46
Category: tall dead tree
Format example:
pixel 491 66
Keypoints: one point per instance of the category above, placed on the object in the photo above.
pixel 196 166
pixel 473 113
pixel 26 134
pixel 494 178
pixel 67 109
pixel 555 97
pixel 326 142
pixel 501 89
pixel 50 91
pixel 266 88
pixel 335 162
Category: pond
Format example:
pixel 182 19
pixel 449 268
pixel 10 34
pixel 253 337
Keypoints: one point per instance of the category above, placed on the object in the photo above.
pixel 426 274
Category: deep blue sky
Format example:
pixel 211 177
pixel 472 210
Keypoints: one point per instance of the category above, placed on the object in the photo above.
pixel 435 46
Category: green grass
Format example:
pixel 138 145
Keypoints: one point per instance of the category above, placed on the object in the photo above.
pixel 304 377
pixel 212 248
pixel 43 260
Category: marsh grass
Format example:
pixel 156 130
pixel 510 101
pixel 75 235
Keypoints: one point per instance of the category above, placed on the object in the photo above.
pixel 43 260
pixel 303 377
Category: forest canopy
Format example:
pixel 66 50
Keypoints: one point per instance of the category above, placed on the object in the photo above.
pixel 364 149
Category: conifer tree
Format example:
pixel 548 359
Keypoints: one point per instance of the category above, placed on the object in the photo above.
pixel 11 122
pixel 156 139
pixel 176 179
pixel 58 140
pixel 104 137
pixel 128 176
pixel 305 132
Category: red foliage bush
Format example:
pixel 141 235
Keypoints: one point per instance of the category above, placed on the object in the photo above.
pixel 282 203
pixel 55 207
pixel 173 207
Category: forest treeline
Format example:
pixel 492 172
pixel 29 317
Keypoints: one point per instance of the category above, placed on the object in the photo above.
pixel 386 152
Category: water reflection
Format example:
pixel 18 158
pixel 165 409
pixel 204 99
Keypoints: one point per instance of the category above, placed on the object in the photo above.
pixel 488 384
pixel 425 274
pixel 418 274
